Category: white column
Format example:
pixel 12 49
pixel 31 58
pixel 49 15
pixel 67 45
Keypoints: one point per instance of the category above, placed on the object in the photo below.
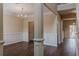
pixel 38 29
pixel 1 29
pixel 77 23
pixel 62 31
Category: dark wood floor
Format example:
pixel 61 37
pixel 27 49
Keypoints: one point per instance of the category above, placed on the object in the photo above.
pixel 19 49
pixel 67 48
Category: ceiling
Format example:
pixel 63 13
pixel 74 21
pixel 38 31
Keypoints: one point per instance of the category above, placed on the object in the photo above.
pixel 15 8
pixel 68 14
pixel 61 3
pixel 28 9
pixel 67 11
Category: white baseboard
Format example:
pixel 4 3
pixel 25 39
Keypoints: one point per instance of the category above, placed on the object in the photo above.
pixel 11 43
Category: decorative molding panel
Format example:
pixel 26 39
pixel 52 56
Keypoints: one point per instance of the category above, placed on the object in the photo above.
pixel 11 38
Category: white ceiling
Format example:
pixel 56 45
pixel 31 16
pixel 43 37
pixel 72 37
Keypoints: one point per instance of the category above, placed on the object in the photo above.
pixel 15 8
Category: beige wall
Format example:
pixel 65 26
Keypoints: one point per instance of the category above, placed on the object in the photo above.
pixel 13 29
pixel 25 28
pixel 50 30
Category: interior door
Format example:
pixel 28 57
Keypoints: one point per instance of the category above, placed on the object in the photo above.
pixel 31 30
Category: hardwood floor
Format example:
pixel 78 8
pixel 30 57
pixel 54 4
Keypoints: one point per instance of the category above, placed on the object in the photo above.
pixel 19 49
pixel 67 48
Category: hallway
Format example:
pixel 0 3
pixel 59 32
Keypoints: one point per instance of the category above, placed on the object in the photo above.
pixel 67 48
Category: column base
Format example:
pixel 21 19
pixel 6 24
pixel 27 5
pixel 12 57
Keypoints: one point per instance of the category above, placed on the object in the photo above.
pixel 1 47
pixel 38 40
pixel 38 47
pixel 1 42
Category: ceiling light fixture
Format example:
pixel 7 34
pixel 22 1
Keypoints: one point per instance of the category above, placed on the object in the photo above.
pixel 21 14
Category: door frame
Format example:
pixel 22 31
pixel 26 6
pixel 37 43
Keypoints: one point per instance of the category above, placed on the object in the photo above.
pixel 28 31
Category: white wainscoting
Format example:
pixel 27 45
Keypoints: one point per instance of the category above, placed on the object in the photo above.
pixel 25 36
pixel 50 39
pixel 10 38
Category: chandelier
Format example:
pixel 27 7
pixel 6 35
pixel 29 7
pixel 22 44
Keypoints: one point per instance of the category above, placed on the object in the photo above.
pixel 21 14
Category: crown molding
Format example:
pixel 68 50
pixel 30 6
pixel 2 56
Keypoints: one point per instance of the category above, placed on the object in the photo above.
pixel 45 13
pixel 31 15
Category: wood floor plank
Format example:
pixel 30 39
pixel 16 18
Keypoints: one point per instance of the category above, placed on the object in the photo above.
pixel 67 48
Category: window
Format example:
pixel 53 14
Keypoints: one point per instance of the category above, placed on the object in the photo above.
pixel 72 29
